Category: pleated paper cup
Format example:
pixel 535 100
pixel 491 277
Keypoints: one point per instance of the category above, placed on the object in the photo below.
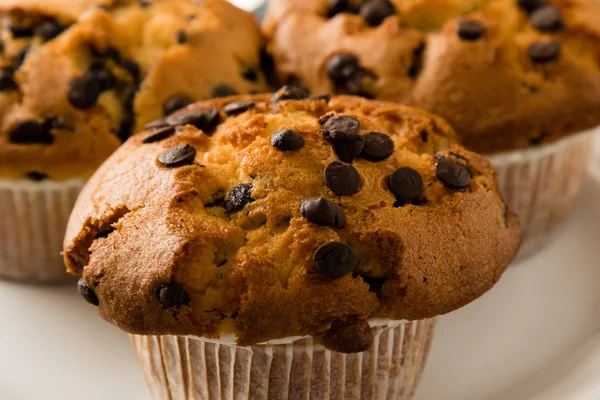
pixel 542 184
pixel 191 368
pixel 33 220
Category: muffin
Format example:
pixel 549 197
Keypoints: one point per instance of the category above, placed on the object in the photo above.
pixel 518 79
pixel 77 77
pixel 245 242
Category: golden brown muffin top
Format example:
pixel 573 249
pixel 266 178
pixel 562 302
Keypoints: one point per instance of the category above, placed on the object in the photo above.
pixel 238 215
pixel 77 77
pixel 506 74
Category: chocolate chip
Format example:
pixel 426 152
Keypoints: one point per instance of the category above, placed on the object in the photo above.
pixel 184 154
pixel 287 140
pixel 20 31
pixel 531 5
pixel 36 176
pixel 30 132
pixel 289 92
pixel 406 184
pixel 547 19
pixel 159 134
pixel 378 146
pixel 267 65
pixel 87 293
pixel 182 37
pixel 321 211
pixel 348 150
pixel 471 30
pixel 204 119
pixel 375 11
pixel 250 74
pixel 105 79
pixel 324 97
pixel 156 124
pixel 342 179
pixel 544 52
pixel 417 62
pixel 7 80
pixel 132 67
pixel 341 127
pixel 341 67
pixel 176 103
pixel 336 7
pixel 126 128
pixel 48 30
pixel 238 107
pixel 20 57
pixel 335 259
pixel 358 84
pixel 84 92
pixel 239 196
pixel 353 336
pixel 452 174
pixel 223 90
pixel 172 295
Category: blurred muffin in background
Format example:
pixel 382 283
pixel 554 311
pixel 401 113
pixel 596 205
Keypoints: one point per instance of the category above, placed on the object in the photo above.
pixel 518 79
pixel 77 77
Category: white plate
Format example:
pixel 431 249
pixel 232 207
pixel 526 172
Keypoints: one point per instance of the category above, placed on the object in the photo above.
pixel 534 336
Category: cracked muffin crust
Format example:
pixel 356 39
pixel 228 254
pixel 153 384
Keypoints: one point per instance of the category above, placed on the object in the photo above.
pixel 506 74
pixel 237 215
pixel 78 77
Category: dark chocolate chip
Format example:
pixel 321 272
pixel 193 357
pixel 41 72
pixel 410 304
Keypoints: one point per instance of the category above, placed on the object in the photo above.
pixel 20 57
pixel 289 92
pixel 341 67
pixel 287 140
pixel 378 146
pixel 238 107
pixel 7 80
pixel 471 30
pixel 335 259
pixel 250 74
pixel 2 47
pixel 105 79
pixel 84 92
pixel 342 179
pixel 336 7
pixel 544 52
pixel 341 127
pixel 204 119
pixel 87 293
pixel 324 97
pixel 531 5
pixel 132 67
pixel 239 196
pixel 182 37
pixel 176 103
pixel 20 31
pixel 356 84
pixel 406 184
pixel 547 19
pixel 30 132
pixel 48 30
pixel 452 174
pixel 417 61
pixel 223 90
pixel 354 336
pixel 36 176
pixel 375 11
pixel 126 129
pixel 267 65
pixel 321 211
pixel 348 150
pixel 184 154
pixel 156 124
pixel 172 295
pixel 159 134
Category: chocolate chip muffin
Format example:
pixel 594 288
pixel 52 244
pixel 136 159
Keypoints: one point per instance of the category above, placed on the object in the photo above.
pixel 77 77
pixel 287 215
pixel 506 74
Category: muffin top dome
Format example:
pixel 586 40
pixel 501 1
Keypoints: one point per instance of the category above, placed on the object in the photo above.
pixel 505 74
pixel 280 216
pixel 78 76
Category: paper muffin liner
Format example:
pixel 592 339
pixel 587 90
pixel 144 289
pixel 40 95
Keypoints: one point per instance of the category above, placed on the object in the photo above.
pixel 186 368
pixel 33 221
pixel 542 184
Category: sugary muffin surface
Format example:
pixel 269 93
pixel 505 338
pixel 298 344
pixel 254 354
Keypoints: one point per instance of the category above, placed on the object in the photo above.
pixel 505 74
pixel 78 77
pixel 238 215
